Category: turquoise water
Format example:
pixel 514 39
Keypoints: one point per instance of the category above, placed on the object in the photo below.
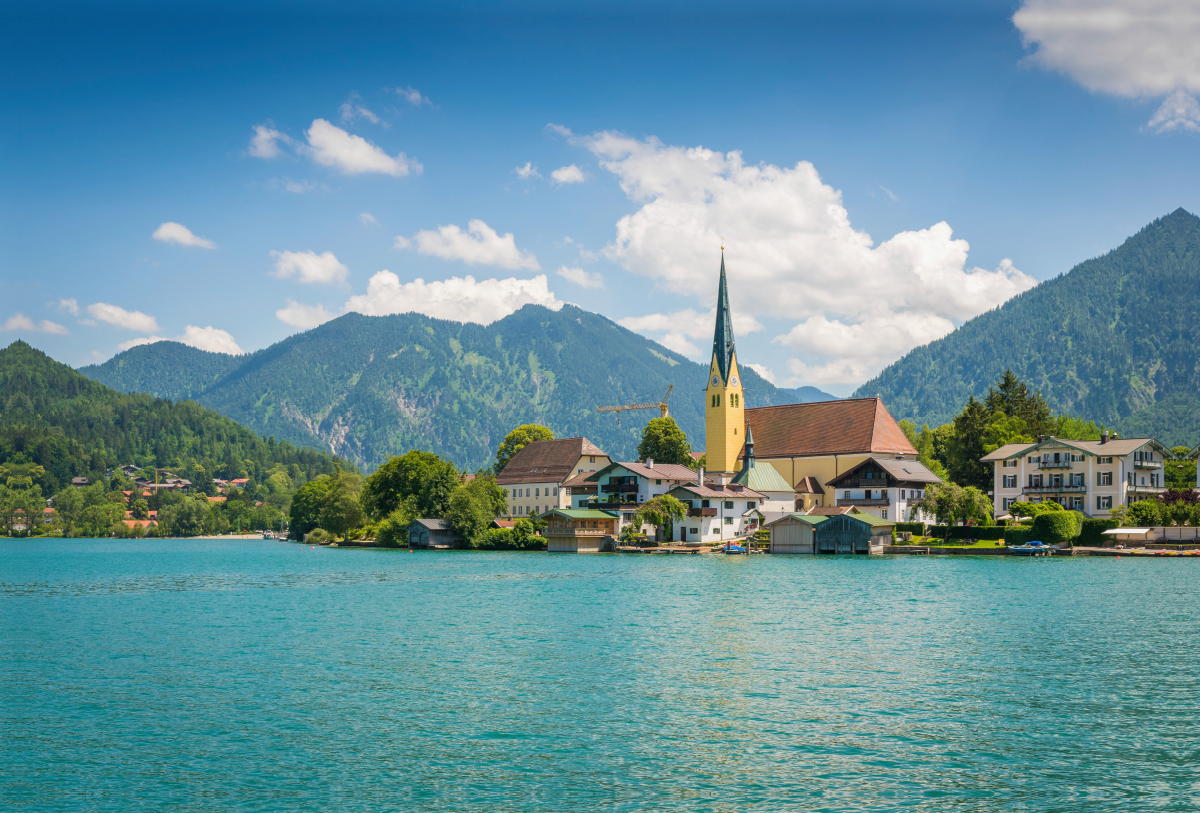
pixel 218 675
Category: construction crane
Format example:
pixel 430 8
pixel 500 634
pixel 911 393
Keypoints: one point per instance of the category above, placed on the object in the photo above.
pixel 661 406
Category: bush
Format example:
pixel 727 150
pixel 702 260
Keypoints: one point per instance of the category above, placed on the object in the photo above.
pixel 519 537
pixel 317 536
pixel 914 528
pixel 1092 533
pixel 392 531
pixel 1017 535
pixel 1057 527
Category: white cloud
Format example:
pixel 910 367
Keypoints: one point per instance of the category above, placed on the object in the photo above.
pixel 584 279
pixel 71 306
pixel 119 317
pixel 20 321
pixel 763 371
pixel 675 330
pixel 528 171
pixel 265 142
pixel 368 219
pixel 891 195
pixel 352 109
pixel 558 129
pixel 462 299
pixel 402 242
pixel 412 96
pixel 309 267
pixel 1129 48
pixel 304 316
pixel 332 146
pixel 792 249
pixel 208 338
pixel 178 233
pixel 298 187
pixel 568 174
pixel 481 246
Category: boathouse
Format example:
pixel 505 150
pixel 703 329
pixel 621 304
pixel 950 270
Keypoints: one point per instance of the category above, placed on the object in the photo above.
pixel 432 533
pixel 841 533
pixel 580 530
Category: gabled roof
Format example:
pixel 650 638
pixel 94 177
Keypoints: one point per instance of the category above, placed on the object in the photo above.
pixel 719 492
pixel 1117 447
pixel 433 524
pixel 906 471
pixel 852 426
pixel 811 519
pixel 583 513
pixel 831 510
pixel 547 461
pixel 809 485
pixel 762 477
pixel 580 481
pixel 661 471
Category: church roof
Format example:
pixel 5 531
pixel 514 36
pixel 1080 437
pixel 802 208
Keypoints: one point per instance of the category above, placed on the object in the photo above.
pixel 851 426
pixel 723 336
pixel 762 477
pixel 547 461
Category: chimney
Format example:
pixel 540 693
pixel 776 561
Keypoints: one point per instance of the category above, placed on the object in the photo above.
pixel 721 481
pixel 1104 437
pixel 700 476
pixel 649 462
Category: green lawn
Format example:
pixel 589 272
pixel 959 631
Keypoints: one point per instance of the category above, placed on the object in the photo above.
pixel 935 542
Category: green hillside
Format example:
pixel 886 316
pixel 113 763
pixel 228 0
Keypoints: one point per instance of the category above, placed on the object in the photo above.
pixel 75 427
pixel 369 387
pixel 1114 340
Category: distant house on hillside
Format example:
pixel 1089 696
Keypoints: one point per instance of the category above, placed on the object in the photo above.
pixel 80 481
pixel 533 479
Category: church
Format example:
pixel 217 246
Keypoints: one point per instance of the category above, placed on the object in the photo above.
pixel 817 448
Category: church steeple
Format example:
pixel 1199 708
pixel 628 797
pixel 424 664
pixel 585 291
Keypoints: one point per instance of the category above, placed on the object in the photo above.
pixel 723 337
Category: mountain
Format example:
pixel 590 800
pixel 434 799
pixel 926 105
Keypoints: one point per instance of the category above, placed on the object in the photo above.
pixel 369 387
pixel 75 427
pixel 1113 340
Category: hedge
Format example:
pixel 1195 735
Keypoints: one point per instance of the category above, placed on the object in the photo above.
pixel 1017 535
pixel 1056 527
pixel 917 528
pixel 992 532
pixel 1093 530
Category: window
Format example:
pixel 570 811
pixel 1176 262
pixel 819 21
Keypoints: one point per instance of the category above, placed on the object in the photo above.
pixel 704 504
pixel 1104 503
pixel 1010 464
pixel 1077 479
pixel 1007 502
pixel 1077 503
pixel 734 400
pixel 883 514
pixel 716 400
pixel 751 504
pixel 590 460
pixel 846 494
pixel 693 530
pixel 1010 481
pixel 556 492
pixel 729 503
pixel 1033 458
pixel 728 520
pixel 1104 478
pixel 1104 460
pixel 537 492
pixel 658 482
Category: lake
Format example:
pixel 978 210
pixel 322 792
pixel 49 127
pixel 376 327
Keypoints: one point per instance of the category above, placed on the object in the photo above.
pixel 169 675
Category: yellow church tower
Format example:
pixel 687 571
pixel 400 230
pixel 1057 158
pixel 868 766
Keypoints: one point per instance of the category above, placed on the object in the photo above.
pixel 724 416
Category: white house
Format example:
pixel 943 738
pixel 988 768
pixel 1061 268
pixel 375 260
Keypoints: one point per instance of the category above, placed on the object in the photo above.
pixel 884 487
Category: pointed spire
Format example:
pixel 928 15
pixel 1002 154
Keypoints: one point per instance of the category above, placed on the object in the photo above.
pixel 748 458
pixel 723 338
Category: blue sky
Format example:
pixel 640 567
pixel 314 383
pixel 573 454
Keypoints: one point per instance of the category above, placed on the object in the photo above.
pixel 792 131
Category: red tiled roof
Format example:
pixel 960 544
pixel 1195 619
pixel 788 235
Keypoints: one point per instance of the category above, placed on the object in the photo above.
pixel 858 426
pixel 808 485
pixel 718 491
pixel 660 471
pixel 547 461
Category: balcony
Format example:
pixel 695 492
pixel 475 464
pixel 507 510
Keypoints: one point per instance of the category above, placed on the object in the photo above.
pixel 554 530
pixel 1054 464
pixel 1146 489
pixel 863 501
pixel 619 488
pixel 702 512
pixel 1055 489
pixel 1147 464
pixel 875 484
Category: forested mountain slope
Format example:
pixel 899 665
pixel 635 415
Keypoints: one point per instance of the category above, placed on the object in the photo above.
pixel 75 427
pixel 368 387
pixel 1114 340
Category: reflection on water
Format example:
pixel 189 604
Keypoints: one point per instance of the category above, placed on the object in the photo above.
pixel 211 675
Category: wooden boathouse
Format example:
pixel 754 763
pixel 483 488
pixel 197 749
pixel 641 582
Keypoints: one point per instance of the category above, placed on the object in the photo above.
pixel 837 534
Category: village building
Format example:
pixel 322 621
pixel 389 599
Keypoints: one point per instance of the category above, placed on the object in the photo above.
pixel 809 494
pixel 1090 476
pixel 885 487
pixel 534 477
pixel 717 511
pixel 580 530
pixel 581 490
pixel 623 487
pixel 848 533
pixel 432 534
